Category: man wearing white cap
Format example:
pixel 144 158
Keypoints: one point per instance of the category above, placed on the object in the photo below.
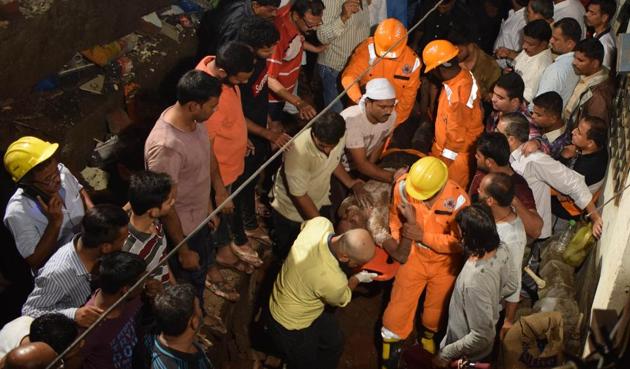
pixel 368 125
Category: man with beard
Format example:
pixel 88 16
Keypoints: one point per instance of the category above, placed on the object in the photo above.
pixel 227 129
pixel 594 93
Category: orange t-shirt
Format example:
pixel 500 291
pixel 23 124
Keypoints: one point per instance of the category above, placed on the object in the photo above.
pixel 227 130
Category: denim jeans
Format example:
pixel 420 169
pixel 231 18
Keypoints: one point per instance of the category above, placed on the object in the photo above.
pixel 330 79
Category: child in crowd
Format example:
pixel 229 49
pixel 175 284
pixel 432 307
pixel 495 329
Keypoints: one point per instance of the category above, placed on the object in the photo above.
pixel 151 195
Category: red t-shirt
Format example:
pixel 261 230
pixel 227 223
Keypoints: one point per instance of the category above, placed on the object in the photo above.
pixel 521 189
pixel 227 129
pixel 285 63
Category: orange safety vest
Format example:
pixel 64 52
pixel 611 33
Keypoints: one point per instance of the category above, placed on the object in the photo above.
pixel 403 73
pixel 458 123
pixel 438 222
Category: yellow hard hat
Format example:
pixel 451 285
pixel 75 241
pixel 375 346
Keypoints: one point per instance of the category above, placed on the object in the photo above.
pixel 26 153
pixel 438 52
pixel 426 177
pixel 387 34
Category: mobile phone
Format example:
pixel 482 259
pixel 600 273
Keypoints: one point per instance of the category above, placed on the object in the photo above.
pixel 33 192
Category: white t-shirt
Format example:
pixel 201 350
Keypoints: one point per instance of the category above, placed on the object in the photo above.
pixel 13 333
pixel 361 133
pixel 531 69
pixel 512 235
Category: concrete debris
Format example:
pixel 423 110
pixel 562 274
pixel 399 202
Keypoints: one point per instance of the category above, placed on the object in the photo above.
pixel 170 31
pixel 95 85
pixel 95 177
pixel 32 8
pixel 173 10
pixel 153 19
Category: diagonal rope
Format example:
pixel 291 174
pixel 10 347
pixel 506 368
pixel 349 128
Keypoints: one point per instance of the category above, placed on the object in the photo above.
pixel 234 194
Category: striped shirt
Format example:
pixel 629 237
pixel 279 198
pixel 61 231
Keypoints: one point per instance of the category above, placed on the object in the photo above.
pixel 149 246
pixel 341 37
pixel 162 357
pixel 61 286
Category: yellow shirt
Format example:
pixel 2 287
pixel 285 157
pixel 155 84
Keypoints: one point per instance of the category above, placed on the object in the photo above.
pixel 310 278
pixel 308 172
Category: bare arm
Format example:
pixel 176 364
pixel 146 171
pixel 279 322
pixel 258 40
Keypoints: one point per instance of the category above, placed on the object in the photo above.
pixel 48 242
pixel 367 167
pixel 87 201
pixel 305 206
pixel 531 220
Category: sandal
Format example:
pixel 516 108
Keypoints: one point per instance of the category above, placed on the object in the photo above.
pixel 246 254
pixel 258 234
pixel 222 290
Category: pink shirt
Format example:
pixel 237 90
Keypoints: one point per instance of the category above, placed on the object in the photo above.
pixel 185 156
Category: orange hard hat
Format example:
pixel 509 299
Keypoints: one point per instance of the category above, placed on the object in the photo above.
pixel 438 52
pixel 387 34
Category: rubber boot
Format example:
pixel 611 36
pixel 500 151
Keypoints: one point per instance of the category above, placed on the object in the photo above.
pixel 427 342
pixel 392 349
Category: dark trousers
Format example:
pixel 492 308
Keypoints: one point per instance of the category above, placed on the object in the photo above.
pixel 201 243
pixel 318 346
pixel 284 233
pixel 231 227
pixel 245 202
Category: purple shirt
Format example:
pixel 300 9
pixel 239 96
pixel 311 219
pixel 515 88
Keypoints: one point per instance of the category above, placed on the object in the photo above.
pixel 111 344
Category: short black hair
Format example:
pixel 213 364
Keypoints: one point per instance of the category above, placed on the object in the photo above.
pixel 501 188
pixel 197 86
pixel 494 146
pixel 118 270
pixel 148 190
pixel 597 131
pixel 592 48
pixel 54 329
pixel 551 101
pixel 329 128
pixel 543 7
pixel 101 224
pixel 302 6
pixel 608 7
pixel 235 57
pixel 174 308
pixel 513 84
pixel 538 29
pixel 479 232
pixel 258 33
pixel 522 3
pixel 570 28
pixel 275 3
pixel 461 35
pixel 517 126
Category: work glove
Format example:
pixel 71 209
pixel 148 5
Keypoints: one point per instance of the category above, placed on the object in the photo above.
pixel 365 277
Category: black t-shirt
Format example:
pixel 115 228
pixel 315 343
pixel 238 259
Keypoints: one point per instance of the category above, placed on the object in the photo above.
pixel 593 168
pixel 255 97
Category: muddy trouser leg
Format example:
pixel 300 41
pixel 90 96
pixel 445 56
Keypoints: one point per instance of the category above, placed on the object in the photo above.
pixel 528 284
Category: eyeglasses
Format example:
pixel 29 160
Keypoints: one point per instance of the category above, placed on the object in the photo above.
pixel 50 180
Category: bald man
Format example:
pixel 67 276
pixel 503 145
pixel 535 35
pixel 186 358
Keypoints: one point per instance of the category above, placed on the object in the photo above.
pixel 311 278
pixel 35 355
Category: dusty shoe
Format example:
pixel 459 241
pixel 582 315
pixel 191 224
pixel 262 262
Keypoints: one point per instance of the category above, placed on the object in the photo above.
pixel 259 234
pixel 222 289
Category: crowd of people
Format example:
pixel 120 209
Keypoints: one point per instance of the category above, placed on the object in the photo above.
pixel 518 110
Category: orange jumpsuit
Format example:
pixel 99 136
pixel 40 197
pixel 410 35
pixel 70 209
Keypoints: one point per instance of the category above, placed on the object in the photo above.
pixel 403 73
pixel 458 123
pixel 433 262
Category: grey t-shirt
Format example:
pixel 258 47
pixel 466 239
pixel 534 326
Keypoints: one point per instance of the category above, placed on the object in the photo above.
pixel 512 235
pixel 474 308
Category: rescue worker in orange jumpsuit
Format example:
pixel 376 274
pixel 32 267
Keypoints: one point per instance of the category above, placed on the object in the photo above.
pixel 458 122
pixel 424 237
pixel 401 66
